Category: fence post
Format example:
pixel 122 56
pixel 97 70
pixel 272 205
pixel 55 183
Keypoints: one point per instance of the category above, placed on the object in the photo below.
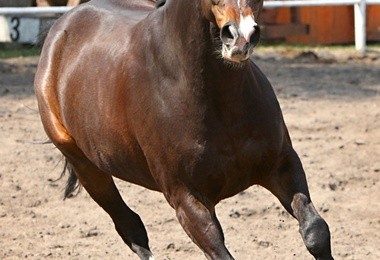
pixel 360 25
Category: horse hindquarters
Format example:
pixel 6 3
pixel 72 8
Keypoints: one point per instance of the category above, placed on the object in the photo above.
pixel 98 184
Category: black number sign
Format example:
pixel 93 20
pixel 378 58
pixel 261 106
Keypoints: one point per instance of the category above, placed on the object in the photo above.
pixel 15 24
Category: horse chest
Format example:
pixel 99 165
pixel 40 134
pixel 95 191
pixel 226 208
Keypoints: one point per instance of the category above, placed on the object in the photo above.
pixel 235 159
pixel 246 149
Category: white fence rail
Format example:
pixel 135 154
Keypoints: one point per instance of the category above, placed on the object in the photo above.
pixel 33 11
pixel 359 13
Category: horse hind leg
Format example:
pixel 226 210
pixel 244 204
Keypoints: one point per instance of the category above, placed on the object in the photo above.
pixel 101 188
pixel 290 187
pixel 98 184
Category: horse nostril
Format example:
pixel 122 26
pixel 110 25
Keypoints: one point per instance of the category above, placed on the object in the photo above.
pixel 255 37
pixel 229 34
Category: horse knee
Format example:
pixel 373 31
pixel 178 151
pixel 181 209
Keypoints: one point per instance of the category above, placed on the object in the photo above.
pixel 316 236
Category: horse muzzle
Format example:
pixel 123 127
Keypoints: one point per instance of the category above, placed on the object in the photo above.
pixel 238 42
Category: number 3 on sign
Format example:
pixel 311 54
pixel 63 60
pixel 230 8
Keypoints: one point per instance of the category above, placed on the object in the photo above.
pixel 15 26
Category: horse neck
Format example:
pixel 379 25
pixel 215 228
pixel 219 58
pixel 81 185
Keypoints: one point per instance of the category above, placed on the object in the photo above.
pixel 193 39
pixel 189 54
pixel 186 27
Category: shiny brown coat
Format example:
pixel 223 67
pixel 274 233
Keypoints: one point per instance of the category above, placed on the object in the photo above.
pixel 146 94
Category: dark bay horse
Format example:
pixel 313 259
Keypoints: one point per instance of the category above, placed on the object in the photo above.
pixel 166 97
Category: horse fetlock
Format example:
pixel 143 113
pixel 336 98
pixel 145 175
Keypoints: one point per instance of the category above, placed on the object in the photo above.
pixel 133 236
pixel 142 252
pixel 316 236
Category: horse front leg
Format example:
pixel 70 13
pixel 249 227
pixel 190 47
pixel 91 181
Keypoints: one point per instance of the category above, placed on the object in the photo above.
pixel 313 228
pixel 199 221
pixel 289 185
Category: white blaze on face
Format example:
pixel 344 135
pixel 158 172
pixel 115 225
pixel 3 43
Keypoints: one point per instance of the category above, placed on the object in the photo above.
pixel 247 25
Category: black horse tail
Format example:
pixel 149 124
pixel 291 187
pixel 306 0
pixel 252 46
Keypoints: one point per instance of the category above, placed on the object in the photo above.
pixel 73 187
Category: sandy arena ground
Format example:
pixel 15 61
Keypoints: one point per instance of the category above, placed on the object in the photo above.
pixel 331 103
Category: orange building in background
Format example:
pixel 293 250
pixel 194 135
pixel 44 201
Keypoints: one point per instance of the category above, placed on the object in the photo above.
pixel 318 25
pixel 373 23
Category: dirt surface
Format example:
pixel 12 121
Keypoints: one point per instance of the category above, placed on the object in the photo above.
pixel 331 103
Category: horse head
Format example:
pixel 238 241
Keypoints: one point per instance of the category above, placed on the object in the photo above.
pixel 239 32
